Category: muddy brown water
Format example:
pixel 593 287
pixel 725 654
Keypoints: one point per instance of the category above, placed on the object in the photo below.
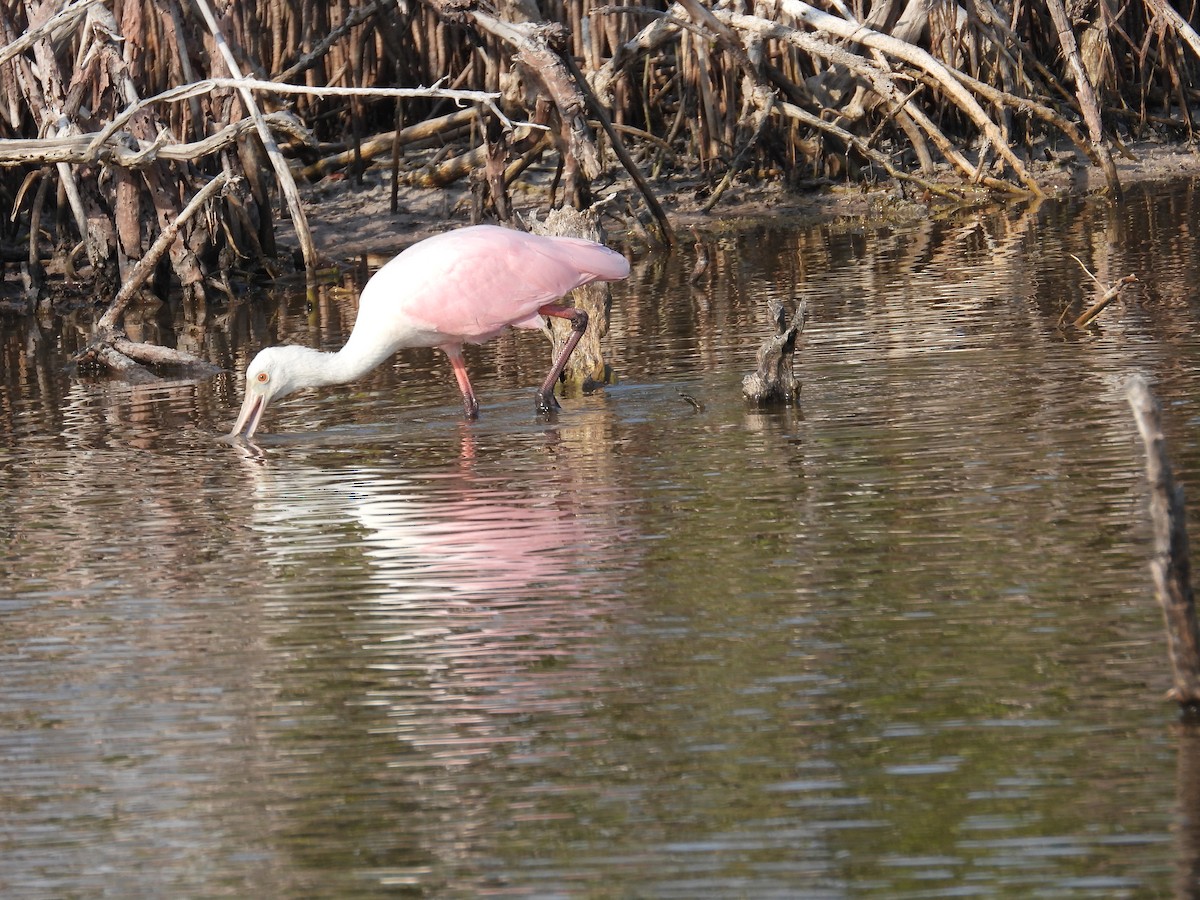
pixel 897 642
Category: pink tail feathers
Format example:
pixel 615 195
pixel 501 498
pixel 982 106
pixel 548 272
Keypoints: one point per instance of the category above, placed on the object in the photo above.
pixel 594 259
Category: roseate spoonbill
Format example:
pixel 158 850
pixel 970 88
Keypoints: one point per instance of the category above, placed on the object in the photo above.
pixel 464 286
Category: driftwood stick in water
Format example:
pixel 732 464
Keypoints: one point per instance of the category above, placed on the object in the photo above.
pixel 1108 297
pixel 154 355
pixel 104 354
pixel 1170 567
pixel 1110 294
pixel 128 360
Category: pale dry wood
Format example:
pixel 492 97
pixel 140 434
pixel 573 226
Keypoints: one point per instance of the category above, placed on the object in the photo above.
pixel 154 355
pixel 485 98
pixel 1108 297
pixel 774 381
pixel 44 88
pixel 287 184
pixel 130 153
pixel 445 127
pixel 1034 108
pixel 104 354
pixel 860 145
pixel 92 245
pixel 663 30
pixel 190 91
pixel 447 171
pixel 65 17
pixel 1085 92
pixel 1171 565
pixel 531 44
pixel 1110 293
pixel 916 56
pixel 666 234
pixel 881 81
pixel 1185 31
pixel 586 368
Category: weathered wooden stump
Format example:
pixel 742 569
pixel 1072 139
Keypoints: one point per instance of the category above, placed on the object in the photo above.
pixel 775 381
pixel 586 369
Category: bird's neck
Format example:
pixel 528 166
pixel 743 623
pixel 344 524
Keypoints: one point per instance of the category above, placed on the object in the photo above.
pixel 348 364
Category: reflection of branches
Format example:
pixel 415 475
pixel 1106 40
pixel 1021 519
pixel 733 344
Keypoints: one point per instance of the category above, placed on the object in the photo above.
pixel 1187 805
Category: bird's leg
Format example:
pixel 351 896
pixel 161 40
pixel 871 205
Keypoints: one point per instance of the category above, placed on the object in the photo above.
pixel 470 404
pixel 579 320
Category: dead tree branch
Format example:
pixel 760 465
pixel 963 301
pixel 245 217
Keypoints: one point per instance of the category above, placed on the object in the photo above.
pixel 283 174
pixel 1110 293
pixel 1171 567
pixel 145 266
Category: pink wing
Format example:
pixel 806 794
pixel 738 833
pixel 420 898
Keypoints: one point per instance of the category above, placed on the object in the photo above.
pixel 472 283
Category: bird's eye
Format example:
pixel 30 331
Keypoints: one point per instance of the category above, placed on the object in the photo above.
pixel 262 377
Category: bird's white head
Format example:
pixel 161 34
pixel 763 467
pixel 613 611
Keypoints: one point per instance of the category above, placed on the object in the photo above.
pixel 275 372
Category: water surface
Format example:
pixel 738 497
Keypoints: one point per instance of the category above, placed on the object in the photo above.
pixel 899 641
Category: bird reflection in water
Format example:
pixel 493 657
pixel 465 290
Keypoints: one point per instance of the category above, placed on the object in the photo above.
pixel 479 598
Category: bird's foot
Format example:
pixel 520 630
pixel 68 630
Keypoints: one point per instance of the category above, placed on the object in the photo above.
pixel 546 403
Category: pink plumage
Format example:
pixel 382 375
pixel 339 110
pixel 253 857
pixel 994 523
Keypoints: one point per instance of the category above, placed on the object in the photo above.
pixel 464 286
pixel 475 282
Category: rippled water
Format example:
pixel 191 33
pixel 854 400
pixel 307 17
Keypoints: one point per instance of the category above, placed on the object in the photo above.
pixel 900 641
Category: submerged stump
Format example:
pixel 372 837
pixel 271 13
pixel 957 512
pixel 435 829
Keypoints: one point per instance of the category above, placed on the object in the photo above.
pixel 586 370
pixel 774 382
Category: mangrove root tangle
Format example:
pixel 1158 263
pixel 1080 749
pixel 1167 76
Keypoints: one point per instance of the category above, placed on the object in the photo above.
pixel 114 115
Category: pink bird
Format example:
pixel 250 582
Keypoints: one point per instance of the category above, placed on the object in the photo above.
pixel 464 286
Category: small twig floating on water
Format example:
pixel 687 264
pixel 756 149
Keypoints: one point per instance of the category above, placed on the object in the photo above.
pixel 1170 567
pixel 775 382
pixel 1110 293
